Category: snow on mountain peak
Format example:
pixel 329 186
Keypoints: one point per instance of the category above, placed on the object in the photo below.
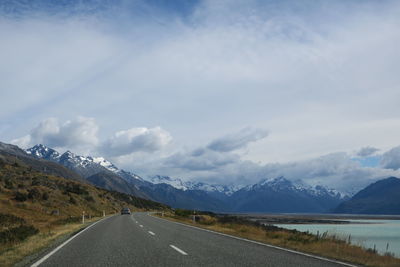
pixel 105 163
pixel 189 185
pixel 42 151
pixel 174 182
pixel 282 184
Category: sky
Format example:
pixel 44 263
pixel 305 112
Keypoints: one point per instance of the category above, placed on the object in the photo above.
pixel 218 91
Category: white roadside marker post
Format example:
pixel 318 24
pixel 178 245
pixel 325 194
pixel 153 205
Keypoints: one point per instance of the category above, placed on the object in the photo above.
pixel 104 213
pixel 83 217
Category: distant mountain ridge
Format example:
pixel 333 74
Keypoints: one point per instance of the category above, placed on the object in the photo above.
pixel 97 171
pixel 381 197
pixel 10 151
pixel 269 195
pixel 281 195
pixel 188 185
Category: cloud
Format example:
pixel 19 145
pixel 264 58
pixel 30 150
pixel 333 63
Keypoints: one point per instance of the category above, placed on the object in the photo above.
pixel 391 159
pixel 221 65
pixel 367 151
pixel 201 159
pixel 237 140
pixel 334 170
pixel 80 132
pixel 136 140
pixel 217 154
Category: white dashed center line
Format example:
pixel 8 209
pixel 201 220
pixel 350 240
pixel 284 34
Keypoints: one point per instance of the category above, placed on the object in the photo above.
pixel 178 249
pixel 150 232
pixel 141 225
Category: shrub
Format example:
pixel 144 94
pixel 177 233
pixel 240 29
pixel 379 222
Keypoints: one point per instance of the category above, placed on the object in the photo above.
pixel 9 219
pixel 183 212
pixel 17 234
pixel 89 198
pixel 206 219
pixel 67 220
pixel 76 189
pixel 21 196
pixel 72 200
pixel 9 184
pixel 45 196
pixel 34 194
pixel 35 181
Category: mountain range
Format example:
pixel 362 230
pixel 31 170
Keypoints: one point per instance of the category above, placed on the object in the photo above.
pixel 269 195
pixel 381 197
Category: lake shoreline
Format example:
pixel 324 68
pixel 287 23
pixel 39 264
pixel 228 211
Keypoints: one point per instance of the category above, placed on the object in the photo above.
pixel 313 218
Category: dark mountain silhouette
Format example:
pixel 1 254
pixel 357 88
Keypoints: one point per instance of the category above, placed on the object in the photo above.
pixel 381 197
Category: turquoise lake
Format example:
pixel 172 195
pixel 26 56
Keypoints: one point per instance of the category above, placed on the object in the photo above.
pixel 366 233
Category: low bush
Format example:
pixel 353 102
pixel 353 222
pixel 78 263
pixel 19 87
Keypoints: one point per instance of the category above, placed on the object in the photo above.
pixel 89 198
pixel 19 196
pixel 183 212
pixel 17 234
pixel 45 196
pixel 71 219
pixel 34 193
pixel 9 219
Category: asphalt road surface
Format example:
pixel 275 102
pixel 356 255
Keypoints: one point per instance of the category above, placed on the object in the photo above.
pixel 143 240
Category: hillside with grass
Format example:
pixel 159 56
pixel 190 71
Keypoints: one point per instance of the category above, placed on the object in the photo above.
pixel 37 206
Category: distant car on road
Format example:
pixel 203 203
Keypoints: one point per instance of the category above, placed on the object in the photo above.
pixel 125 211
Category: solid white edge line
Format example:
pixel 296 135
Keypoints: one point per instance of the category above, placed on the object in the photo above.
pixel 262 244
pixel 150 232
pixel 65 242
pixel 178 249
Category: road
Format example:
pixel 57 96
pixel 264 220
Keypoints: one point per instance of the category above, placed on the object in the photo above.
pixel 143 240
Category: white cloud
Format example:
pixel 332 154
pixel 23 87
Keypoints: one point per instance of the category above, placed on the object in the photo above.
pixel 77 133
pixel 367 151
pixel 237 140
pixel 391 159
pixel 136 140
pixel 201 159
pixel 323 76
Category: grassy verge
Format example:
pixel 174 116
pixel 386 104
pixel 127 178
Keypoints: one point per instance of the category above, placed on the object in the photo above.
pixel 37 208
pixel 12 253
pixel 323 245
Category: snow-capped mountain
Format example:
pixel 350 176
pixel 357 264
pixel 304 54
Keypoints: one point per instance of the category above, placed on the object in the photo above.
pixel 174 182
pixel 189 185
pixel 84 165
pixel 269 195
pixel 281 183
pixel 43 152
pixel 105 163
pixel 282 195
pixel 225 189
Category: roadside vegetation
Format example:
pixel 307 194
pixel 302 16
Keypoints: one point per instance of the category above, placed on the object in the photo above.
pixel 37 208
pixel 325 245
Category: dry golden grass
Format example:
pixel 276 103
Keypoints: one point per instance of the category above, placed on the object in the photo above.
pixel 14 253
pixel 327 247
pixel 44 195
